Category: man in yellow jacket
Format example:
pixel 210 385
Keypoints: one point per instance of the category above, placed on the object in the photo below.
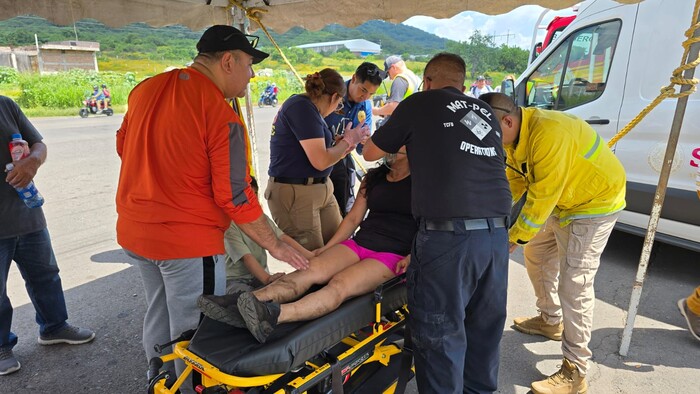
pixel 575 190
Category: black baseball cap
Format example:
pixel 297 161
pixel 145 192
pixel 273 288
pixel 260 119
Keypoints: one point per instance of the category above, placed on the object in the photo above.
pixel 227 38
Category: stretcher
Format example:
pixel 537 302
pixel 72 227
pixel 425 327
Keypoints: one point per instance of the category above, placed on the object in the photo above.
pixel 354 349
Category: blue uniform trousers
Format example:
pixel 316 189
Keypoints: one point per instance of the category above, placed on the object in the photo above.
pixel 457 288
pixel 36 262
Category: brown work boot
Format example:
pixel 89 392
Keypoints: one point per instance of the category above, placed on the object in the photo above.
pixel 691 318
pixel 537 326
pixel 568 380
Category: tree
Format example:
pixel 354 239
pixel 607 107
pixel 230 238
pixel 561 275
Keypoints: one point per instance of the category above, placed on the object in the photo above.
pixel 478 51
pixel 512 59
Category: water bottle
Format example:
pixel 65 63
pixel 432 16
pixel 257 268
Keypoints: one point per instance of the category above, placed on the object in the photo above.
pixel 29 194
pixel 19 148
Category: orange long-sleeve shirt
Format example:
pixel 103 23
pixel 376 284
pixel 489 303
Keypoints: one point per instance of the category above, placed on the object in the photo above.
pixel 184 173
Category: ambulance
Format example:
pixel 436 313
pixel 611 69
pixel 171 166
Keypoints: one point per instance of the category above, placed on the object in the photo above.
pixel 605 67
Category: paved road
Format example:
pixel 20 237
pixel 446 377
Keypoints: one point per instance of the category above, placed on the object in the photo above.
pixel 103 291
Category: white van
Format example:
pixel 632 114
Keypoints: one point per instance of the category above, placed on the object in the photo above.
pixel 607 65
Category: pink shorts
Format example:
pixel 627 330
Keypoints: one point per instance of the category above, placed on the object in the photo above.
pixel 388 259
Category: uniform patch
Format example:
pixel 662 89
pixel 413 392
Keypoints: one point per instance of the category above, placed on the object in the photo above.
pixel 476 125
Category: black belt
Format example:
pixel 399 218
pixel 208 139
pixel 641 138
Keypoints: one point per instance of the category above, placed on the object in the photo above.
pixel 299 181
pixel 469 224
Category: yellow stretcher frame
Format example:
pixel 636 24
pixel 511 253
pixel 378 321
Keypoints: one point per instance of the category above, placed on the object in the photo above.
pixel 381 352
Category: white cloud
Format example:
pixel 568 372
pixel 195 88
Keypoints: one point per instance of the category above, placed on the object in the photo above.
pixel 513 28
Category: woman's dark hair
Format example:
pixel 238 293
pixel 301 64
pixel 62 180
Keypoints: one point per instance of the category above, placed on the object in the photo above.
pixel 326 81
pixel 372 177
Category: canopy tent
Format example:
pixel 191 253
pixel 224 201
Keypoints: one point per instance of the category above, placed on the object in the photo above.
pixel 279 15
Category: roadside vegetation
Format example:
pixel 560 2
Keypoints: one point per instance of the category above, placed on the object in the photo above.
pixel 135 52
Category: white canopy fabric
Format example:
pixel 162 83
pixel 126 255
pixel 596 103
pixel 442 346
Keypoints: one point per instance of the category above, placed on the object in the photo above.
pixel 279 15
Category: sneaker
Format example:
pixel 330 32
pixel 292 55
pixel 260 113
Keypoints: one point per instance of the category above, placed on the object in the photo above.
pixel 260 317
pixel 8 362
pixel 568 380
pixel 691 318
pixel 222 308
pixel 537 326
pixel 71 335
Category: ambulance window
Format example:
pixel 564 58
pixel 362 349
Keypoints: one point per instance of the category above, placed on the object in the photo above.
pixel 577 71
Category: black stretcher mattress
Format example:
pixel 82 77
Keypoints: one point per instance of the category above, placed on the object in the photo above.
pixel 235 351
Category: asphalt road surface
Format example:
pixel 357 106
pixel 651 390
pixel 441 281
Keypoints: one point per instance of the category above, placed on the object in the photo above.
pixel 104 292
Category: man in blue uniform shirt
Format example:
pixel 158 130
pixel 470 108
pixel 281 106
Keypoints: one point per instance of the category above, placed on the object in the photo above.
pixel 458 275
pixel 360 88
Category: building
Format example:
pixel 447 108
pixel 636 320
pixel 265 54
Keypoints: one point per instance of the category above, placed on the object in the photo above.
pixel 358 47
pixel 52 57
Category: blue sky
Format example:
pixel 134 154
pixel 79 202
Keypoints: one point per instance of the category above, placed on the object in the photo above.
pixel 519 23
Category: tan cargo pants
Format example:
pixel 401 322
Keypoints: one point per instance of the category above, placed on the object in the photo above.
pixel 307 213
pixel 561 263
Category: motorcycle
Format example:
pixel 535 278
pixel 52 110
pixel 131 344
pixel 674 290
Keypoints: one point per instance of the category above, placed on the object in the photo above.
pixel 267 98
pixel 91 106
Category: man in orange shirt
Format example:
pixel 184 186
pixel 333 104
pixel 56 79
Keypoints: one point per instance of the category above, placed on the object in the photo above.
pixel 184 177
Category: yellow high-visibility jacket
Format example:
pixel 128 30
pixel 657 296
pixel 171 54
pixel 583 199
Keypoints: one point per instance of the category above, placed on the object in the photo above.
pixel 571 173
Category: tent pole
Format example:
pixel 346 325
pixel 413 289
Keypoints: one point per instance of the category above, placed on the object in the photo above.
pixel 659 198
pixel 242 22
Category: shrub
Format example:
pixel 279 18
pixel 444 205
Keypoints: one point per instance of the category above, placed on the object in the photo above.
pixel 8 75
pixel 68 89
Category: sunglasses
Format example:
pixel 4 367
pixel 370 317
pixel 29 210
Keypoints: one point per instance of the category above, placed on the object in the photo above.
pixel 371 72
pixel 252 40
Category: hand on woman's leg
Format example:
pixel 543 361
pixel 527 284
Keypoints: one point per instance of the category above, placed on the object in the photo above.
pixel 321 269
pixel 356 279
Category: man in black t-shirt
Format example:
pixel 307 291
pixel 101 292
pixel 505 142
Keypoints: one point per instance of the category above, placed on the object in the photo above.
pixel 458 274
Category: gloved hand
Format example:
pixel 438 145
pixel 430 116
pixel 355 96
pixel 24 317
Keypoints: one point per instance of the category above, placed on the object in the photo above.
pixel 357 135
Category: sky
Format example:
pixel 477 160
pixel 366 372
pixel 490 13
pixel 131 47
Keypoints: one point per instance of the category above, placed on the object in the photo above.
pixel 514 28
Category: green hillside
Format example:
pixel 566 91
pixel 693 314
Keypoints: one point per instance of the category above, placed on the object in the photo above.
pixel 136 51
pixel 177 43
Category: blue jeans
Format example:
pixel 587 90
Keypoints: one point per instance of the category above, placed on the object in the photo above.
pixel 457 288
pixel 37 264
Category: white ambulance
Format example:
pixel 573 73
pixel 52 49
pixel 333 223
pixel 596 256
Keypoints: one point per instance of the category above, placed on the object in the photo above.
pixel 607 65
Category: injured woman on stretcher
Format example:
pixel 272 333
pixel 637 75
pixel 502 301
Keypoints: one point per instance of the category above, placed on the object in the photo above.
pixel 347 265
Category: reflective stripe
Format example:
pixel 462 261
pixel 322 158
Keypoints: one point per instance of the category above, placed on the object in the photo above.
pixel 238 163
pixel 528 222
pixel 595 147
pixel 566 220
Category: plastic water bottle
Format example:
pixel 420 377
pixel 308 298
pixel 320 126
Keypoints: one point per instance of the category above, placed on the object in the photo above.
pixel 19 148
pixel 29 194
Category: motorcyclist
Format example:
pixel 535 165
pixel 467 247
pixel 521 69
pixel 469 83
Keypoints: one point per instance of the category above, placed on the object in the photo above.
pixel 97 99
pixel 275 91
pixel 107 100
pixel 267 93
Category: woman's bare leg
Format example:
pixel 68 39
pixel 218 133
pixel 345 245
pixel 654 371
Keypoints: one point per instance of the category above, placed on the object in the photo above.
pixel 321 269
pixel 356 279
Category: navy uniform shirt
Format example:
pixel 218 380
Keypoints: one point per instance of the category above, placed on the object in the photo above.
pixel 297 120
pixel 455 153
pixel 337 120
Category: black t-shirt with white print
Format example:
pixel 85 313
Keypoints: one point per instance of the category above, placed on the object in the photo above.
pixel 455 153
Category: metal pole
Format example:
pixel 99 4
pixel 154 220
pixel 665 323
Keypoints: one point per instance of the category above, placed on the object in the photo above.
pixel 658 201
pixel 243 23
pixel 534 34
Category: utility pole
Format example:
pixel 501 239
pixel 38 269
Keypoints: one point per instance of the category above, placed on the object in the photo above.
pixel 507 36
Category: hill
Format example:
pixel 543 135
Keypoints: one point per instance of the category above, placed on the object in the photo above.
pixel 140 41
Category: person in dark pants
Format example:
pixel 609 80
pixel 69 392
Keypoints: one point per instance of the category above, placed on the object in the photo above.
pixel 458 275
pixel 24 239
pixel 357 109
